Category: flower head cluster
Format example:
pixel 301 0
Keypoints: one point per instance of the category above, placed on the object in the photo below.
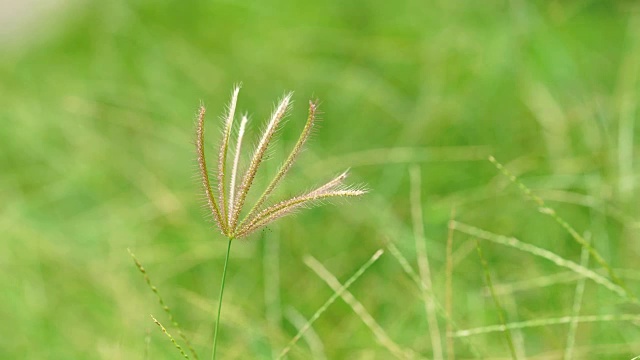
pixel 228 201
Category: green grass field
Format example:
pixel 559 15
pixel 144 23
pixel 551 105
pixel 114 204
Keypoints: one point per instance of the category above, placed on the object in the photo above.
pixel 97 156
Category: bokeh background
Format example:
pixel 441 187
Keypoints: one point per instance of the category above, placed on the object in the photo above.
pixel 97 106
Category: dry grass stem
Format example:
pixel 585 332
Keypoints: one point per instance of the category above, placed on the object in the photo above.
pixel 308 334
pixel 360 310
pixel 574 234
pixel 406 267
pixel 534 250
pixel 501 313
pixel 546 322
pixel 511 309
pixel 271 278
pixel 337 292
pixel 536 283
pixel 423 262
pixel 575 311
pixel 448 298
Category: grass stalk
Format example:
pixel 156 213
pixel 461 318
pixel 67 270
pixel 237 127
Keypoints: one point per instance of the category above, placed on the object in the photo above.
pixel 574 234
pixel 575 311
pixel 173 340
pixel 360 310
pixel 164 306
pixel 227 218
pixel 547 322
pixel 501 312
pixel 337 293
pixel 448 297
pixel 147 343
pixel 511 310
pixel 543 253
pixel 271 275
pixel 423 262
pixel 224 278
pixel 309 335
pixel 404 263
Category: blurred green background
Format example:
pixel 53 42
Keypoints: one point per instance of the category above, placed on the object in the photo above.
pixel 97 112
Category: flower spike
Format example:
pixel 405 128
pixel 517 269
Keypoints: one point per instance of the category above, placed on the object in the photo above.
pixel 225 209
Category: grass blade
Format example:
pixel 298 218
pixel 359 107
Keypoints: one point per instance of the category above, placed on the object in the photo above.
pixel 404 263
pixel 311 337
pixel 574 234
pixel 423 261
pixel 501 312
pixel 359 309
pixel 337 293
pixel 448 298
pixel 575 311
pixel 546 254
pixel 546 322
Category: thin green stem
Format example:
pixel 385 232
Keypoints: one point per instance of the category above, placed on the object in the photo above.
pixel 501 313
pixel 224 278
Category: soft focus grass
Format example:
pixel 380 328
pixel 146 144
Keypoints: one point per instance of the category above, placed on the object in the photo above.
pixel 97 155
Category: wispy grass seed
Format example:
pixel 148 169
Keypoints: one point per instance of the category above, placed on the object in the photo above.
pixel 227 205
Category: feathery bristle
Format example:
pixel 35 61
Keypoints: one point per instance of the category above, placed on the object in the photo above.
pixel 234 170
pixel 226 209
pixel 204 173
pixel 286 207
pixel 258 156
pixel 222 158
pixel 333 183
pixel 313 106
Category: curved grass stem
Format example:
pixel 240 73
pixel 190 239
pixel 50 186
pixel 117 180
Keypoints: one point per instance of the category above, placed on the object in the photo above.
pixel 224 278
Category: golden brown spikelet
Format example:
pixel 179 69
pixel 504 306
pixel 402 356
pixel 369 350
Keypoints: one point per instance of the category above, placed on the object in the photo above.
pixel 227 205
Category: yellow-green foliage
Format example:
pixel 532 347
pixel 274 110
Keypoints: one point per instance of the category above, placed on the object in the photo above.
pixel 97 156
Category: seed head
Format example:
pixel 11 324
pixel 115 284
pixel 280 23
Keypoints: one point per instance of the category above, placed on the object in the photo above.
pixel 227 205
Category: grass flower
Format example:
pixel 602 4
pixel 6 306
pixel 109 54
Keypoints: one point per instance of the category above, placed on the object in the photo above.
pixel 228 203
